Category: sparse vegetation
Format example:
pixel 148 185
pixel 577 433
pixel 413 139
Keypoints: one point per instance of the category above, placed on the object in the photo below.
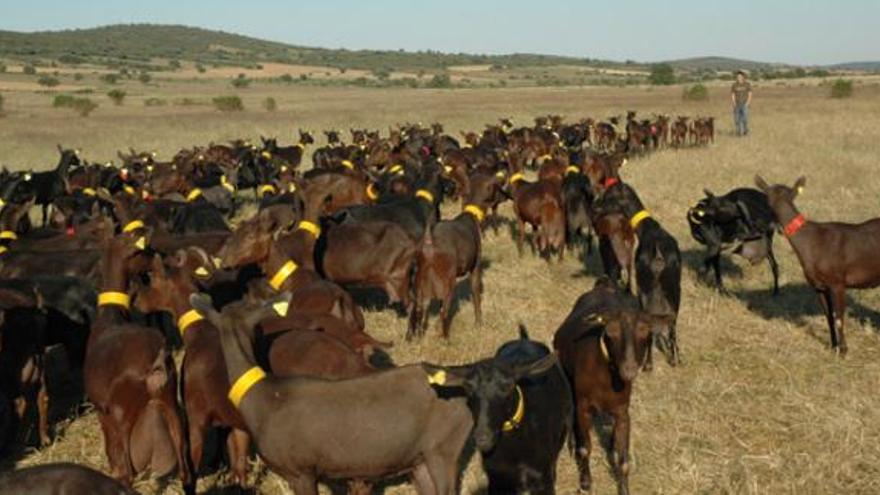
pixel 145 78
pixel 155 102
pixel 241 82
pixel 110 78
pixel 48 81
pixel 697 92
pixel 82 106
pixel 228 103
pixel 270 104
pixel 842 88
pixel 29 70
pixel 117 96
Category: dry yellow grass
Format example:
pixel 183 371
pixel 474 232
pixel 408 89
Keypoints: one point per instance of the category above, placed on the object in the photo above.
pixel 760 405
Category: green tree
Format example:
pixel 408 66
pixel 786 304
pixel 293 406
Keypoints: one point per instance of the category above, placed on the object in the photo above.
pixel 662 75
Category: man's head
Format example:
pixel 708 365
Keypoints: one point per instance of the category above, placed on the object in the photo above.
pixel 741 75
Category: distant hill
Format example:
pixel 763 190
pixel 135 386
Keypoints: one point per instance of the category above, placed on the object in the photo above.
pixel 866 66
pixel 143 43
pixel 722 64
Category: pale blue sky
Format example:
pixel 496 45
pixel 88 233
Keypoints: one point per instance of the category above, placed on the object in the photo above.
pixel 794 31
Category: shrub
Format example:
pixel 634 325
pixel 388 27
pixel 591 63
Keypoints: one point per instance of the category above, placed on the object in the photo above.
pixel 186 102
pixel 842 88
pixel 440 81
pixel 155 102
pixel 286 78
pixel 174 64
pixel 84 106
pixel 145 78
pixel 270 104
pixel 1 104
pixel 63 101
pixel 2 68
pixel 228 103
pixel 241 82
pixel 662 74
pixel 110 78
pixel 71 59
pixel 117 95
pixel 201 68
pixel 697 92
pixel 382 73
pixel 77 77
pixel 29 70
pixel 48 81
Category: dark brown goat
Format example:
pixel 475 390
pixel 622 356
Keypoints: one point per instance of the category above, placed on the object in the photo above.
pixel 540 205
pixel 135 396
pixel 602 345
pixel 399 426
pixel 834 255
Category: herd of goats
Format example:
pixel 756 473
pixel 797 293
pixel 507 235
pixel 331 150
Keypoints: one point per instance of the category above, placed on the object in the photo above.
pixel 276 355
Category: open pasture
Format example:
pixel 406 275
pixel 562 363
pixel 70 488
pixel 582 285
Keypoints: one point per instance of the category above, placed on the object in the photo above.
pixel 759 405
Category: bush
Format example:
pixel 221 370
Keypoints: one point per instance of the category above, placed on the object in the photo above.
pixel 155 102
pixel 286 78
pixel 241 82
pixel 84 106
pixel 228 103
pixel 842 88
pixel 662 74
pixel 697 92
pixel 110 78
pixel 117 95
pixel 77 77
pixel 145 78
pixel 1 104
pixel 2 68
pixel 63 101
pixel 440 81
pixel 71 59
pixel 29 70
pixel 270 104
pixel 201 68
pixel 48 81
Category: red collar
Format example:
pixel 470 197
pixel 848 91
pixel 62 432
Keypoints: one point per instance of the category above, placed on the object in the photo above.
pixel 794 225
pixel 610 181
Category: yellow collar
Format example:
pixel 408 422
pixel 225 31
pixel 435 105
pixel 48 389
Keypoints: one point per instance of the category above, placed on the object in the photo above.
pixel 515 420
pixel 266 189
pixel 347 164
pixel 396 169
pixel 282 274
pixel 224 181
pixel 545 157
pixel 516 177
pixel 638 217
pixel 8 234
pixel 128 190
pixel 244 383
pixel 573 169
pixel 3 249
pixel 114 298
pixel 187 319
pixel 266 155
pixel 132 226
pixel 372 193
pixel 310 227
pixel 300 146
pixel 195 193
pixel 88 191
pixel 476 211
pixel 425 194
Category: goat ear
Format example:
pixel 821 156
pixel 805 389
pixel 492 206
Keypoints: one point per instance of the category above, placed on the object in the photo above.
pixel 762 185
pixel 446 376
pixel 799 185
pixel 157 267
pixel 535 367
pixel 202 303
pixel 523 332
pixel 708 193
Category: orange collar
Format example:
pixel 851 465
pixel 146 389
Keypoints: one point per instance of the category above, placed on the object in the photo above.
pixel 794 225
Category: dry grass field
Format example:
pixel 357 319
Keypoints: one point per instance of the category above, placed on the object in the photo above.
pixel 759 406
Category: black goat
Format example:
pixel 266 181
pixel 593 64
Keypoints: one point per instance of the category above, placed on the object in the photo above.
pixel 740 221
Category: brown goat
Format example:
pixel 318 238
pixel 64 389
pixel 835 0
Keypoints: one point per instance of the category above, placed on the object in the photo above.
pixel 834 255
pixel 205 381
pixel 602 345
pixel 400 425
pixel 130 378
pixel 449 250
pixel 540 205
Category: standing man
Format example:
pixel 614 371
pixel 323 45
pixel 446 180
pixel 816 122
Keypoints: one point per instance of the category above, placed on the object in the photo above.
pixel 741 97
